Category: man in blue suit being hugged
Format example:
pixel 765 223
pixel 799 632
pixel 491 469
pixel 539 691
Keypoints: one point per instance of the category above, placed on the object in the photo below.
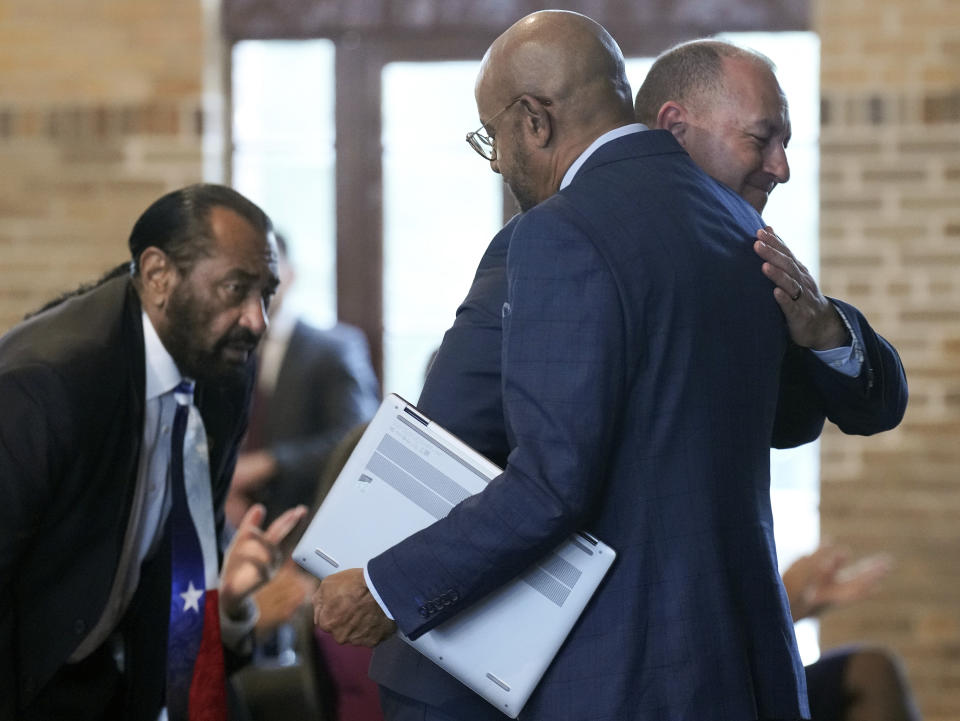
pixel 642 348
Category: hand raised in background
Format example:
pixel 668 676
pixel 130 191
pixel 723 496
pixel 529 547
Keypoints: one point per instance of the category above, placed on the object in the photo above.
pixel 824 579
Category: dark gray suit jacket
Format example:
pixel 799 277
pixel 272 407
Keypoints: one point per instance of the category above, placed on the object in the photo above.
pixel 325 387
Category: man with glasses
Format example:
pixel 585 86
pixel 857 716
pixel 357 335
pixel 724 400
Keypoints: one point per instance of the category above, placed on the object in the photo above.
pixel 642 347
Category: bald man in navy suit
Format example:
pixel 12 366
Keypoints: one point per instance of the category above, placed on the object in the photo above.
pixel 642 348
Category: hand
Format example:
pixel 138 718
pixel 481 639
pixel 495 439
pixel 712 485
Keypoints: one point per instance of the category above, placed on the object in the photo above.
pixel 344 608
pixel 253 556
pixel 812 320
pixel 253 469
pixel 823 579
pixel 282 595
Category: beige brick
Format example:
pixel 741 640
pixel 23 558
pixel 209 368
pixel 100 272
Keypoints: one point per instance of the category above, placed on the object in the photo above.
pixel 849 76
pixel 894 176
pixel 901 45
pixel 932 147
pixel 942 259
pixel 86 145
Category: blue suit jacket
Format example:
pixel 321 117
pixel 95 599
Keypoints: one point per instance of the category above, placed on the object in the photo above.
pixel 641 362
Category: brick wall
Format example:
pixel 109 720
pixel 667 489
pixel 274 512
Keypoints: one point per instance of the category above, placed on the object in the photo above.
pixel 890 243
pixel 100 112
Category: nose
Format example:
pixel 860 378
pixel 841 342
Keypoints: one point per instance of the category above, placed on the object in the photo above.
pixel 777 164
pixel 495 165
pixel 254 316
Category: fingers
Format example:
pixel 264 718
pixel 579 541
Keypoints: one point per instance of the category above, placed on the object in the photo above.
pixel 357 630
pixel 250 567
pixel 344 608
pixel 284 523
pixel 775 253
pixel 254 554
pixel 317 601
pixel 249 532
pixel 869 569
pixel 791 279
pixel 253 517
pixel 768 236
pixel 833 557
pixel 789 289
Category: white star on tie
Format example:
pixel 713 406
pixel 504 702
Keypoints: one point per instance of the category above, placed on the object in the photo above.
pixel 191 598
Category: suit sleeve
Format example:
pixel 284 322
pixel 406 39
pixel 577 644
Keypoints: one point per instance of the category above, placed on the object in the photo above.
pixel 563 355
pixel 462 389
pixel 811 391
pixel 31 444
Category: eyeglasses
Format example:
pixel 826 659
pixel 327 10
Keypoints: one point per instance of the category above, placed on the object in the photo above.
pixel 483 143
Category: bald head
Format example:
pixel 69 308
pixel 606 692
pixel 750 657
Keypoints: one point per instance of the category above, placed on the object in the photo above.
pixel 548 87
pixel 692 73
pixel 561 56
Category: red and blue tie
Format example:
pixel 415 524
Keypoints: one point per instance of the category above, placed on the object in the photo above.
pixel 196 677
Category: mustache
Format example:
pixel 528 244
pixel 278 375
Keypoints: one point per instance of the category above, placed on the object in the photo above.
pixel 242 337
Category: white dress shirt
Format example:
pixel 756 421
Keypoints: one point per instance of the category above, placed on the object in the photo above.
pixel 152 500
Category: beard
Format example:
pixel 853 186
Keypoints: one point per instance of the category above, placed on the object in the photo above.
pixel 520 182
pixel 188 323
pixel 522 195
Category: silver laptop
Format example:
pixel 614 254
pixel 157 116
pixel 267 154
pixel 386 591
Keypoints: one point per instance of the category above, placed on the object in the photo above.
pixel 407 472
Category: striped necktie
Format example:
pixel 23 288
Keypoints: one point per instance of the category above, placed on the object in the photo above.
pixel 196 679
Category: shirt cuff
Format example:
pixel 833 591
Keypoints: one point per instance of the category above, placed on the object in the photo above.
pixel 237 633
pixel 373 592
pixel 847 359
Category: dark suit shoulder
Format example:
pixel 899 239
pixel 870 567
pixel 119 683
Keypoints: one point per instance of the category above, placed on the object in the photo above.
pixel 87 342
pixel 82 326
pixel 340 349
pixel 337 338
pixel 663 162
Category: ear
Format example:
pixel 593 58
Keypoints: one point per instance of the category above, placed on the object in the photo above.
pixel 537 123
pixel 158 278
pixel 672 116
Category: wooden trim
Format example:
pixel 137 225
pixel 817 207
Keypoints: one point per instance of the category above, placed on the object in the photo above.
pixel 661 22
pixel 370 33
pixel 359 185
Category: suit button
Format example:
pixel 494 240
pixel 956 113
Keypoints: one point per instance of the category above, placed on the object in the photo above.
pixel 424 612
pixel 79 626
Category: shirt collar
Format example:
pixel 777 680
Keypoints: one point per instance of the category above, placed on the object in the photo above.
pixel 602 140
pixel 161 370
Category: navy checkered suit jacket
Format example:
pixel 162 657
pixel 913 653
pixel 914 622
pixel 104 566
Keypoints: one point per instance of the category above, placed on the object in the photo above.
pixel 641 358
